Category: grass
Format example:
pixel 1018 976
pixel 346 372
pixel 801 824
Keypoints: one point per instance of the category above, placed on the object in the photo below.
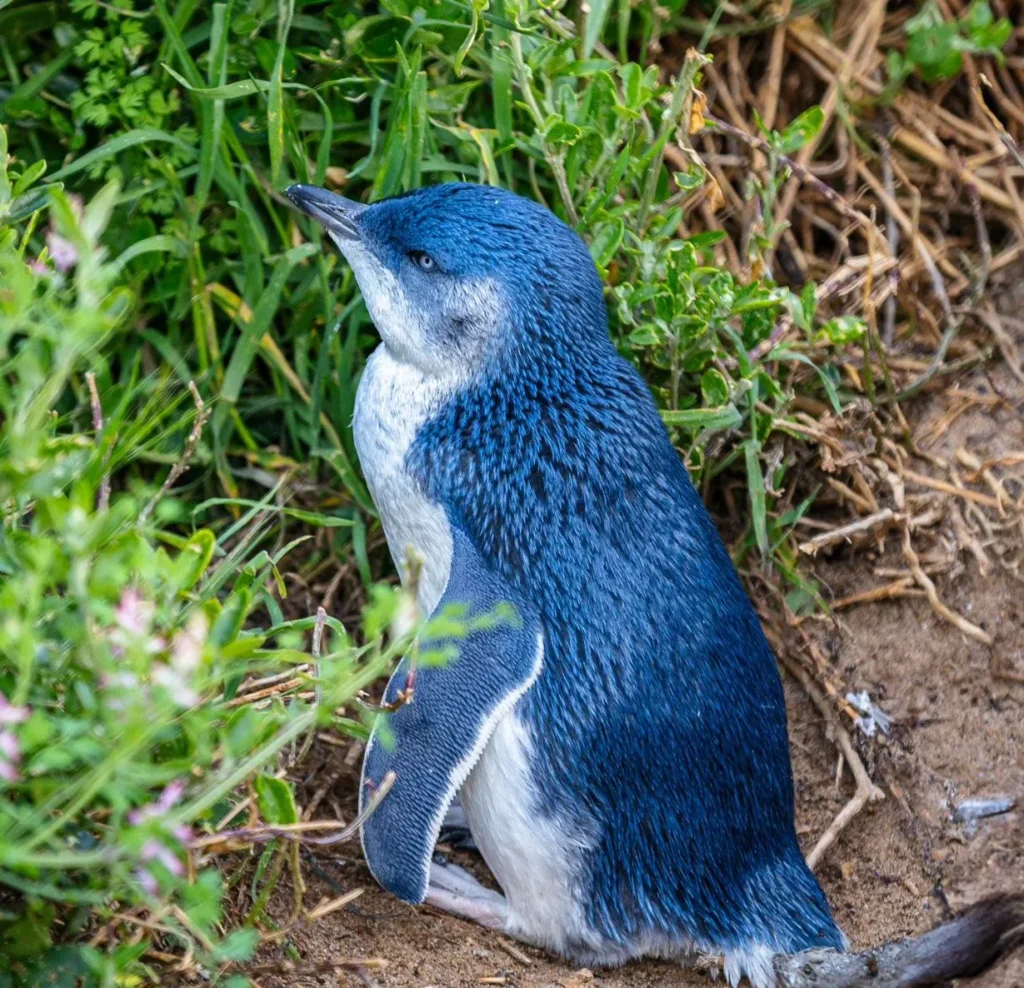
pixel 162 307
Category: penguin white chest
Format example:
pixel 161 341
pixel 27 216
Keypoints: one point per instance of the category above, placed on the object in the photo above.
pixel 394 399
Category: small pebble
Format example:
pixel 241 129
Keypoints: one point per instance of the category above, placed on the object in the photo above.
pixel 968 810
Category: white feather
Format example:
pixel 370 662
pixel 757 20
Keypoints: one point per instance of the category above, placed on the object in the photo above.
pixel 534 857
pixel 393 401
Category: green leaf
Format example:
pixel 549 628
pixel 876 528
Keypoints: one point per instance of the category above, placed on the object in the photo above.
pixel 238 946
pixel 790 356
pixel 160 243
pixel 707 239
pixel 18 100
pixel 202 899
pixel 276 800
pixel 843 330
pixel 315 518
pixel 756 488
pixel 559 131
pixel 232 616
pixel 194 558
pixel 714 387
pixel 802 131
pixel 593 25
pixel 275 117
pixel 606 242
pixel 29 176
pixel 475 7
pixel 712 419
pixel 229 91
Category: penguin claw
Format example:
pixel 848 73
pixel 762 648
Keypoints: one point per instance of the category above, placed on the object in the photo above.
pixel 491 915
pixel 455 829
pixel 459 838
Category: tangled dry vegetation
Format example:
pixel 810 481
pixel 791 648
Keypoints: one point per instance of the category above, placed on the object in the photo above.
pixel 904 209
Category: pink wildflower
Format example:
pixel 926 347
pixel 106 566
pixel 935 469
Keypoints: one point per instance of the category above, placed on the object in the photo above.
pixel 169 797
pixel 10 714
pixel 147 881
pixel 153 850
pixel 187 647
pixel 133 614
pixel 10 756
pixel 63 251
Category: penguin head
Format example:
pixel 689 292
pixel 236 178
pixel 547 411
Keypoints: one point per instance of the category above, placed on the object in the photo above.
pixel 458 276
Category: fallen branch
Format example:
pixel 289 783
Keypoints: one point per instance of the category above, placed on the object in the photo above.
pixel 887 591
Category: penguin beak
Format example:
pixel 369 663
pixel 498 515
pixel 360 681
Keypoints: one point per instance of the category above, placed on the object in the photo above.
pixel 336 214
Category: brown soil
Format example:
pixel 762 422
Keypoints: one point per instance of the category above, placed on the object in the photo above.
pixel 900 867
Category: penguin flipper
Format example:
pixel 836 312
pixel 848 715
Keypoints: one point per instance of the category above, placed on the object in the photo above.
pixel 437 736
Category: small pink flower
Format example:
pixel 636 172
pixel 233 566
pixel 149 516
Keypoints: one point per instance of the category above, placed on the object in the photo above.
pixel 169 797
pixel 37 267
pixel 134 614
pixel 147 881
pixel 63 251
pixel 187 647
pixel 153 850
pixel 172 793
pixel 10 714
pixel 9 749
pixel 175 684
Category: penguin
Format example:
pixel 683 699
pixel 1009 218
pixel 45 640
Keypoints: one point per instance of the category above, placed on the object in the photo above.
pixel 612 731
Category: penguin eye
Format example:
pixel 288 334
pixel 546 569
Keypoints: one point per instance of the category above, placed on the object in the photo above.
pixel 422 260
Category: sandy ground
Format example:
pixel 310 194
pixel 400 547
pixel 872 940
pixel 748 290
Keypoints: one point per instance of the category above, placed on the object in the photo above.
pixel 898 869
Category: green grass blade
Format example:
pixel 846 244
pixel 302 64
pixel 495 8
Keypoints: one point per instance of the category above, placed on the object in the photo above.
pixel 275 101
pixel 593 26
pixel 713 419
pixel 758 498
pixel 316 518
pixel 158 244
pixel 252 331
pixel 133 138
pixel 213 117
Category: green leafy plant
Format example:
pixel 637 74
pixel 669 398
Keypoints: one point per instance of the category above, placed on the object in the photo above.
pixel 123 643
pixel 936 47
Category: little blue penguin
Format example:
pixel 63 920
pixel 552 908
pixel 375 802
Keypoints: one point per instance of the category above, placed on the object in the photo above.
pixel 617 742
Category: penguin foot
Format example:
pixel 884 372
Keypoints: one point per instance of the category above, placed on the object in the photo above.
pixel 456 891
pixel 455 829
pixel 447 875
pixel 458 838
